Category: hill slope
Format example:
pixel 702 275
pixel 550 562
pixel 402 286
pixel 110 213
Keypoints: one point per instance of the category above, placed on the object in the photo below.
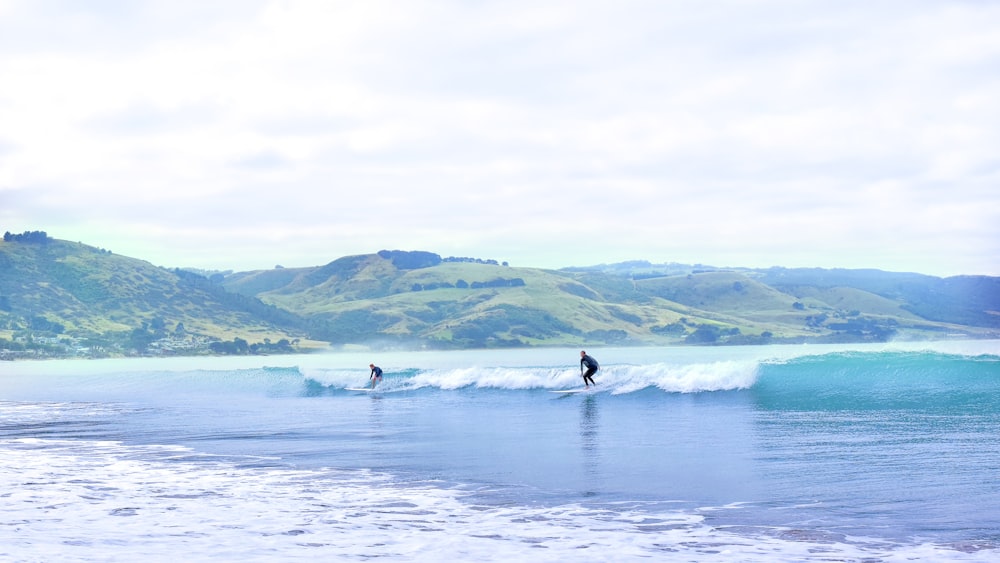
pixel 59 287
pixel 398 298
pixel 386 296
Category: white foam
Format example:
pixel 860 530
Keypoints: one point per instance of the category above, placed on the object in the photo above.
pixel 689 378
pixel 619 379
pixel 337 378
pixel 104 501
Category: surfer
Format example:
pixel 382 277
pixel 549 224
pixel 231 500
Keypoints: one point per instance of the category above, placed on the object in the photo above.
pixel 592 367
pixel 376 376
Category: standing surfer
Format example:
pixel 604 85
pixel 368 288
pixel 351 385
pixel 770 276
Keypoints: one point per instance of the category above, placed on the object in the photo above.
pixel 592 367
pixel 376 376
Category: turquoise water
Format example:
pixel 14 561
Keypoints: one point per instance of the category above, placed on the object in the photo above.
pixel 864 453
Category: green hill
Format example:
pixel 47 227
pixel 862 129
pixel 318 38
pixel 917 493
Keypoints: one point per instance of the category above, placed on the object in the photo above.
pixel 54 288
pixel 390 297
pixel 58 289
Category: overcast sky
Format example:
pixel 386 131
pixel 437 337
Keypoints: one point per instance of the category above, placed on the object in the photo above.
pixel 247 133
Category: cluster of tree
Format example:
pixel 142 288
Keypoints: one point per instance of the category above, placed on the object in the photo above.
pixel 498 282
pixel 469 260
pixel 41 324
pixel 47 349
pixel 416 259
pixel 710 334
pixel 816 321
pixel 432 286
pixel 867 329
pixel 27 236
pixel 462 284
pixel 672 329
pixel 239 346
pixel 411 260
pixel 14 345
pixel 152 330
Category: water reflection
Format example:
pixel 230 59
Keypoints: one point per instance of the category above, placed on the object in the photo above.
pixel 589 441
pixel 376 416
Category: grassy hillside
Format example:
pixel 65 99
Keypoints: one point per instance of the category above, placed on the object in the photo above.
pixel 60 287
pixel 459 304
pixel 419 299
pixel 361 298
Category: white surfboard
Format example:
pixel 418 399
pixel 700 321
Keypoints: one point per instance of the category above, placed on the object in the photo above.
pixel 358 389
pixel 584 390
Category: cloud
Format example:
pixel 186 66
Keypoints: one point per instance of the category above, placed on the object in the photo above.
pixel 146 119
pixel 760 133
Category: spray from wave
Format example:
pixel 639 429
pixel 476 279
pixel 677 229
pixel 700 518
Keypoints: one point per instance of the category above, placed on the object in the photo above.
pixel 615 379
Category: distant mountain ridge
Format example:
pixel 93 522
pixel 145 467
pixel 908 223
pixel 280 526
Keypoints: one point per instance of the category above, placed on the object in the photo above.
pixel 58 289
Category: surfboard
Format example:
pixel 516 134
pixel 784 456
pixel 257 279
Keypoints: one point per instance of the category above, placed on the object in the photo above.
pixel 358 389
pixel 584 390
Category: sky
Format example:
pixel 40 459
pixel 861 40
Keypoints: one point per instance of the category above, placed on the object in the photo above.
pixel 244 134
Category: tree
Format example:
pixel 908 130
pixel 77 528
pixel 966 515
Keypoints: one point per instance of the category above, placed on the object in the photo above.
pixel 704 334
pixel 27 236
pixel 412 260
pixel 673 328
pixel 140 339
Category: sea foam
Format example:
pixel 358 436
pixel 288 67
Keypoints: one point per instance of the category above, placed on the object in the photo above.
pixel 105 501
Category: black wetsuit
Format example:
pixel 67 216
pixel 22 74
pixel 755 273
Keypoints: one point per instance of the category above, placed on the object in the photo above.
pixel 376 375
pixel 592 367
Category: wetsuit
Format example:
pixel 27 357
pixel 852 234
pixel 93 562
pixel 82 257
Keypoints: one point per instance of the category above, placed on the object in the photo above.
pixel 592 367
pixel 376 375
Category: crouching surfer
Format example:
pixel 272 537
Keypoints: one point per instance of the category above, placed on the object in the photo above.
pixel 376 375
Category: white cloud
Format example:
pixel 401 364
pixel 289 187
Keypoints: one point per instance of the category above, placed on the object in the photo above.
pixel 240 135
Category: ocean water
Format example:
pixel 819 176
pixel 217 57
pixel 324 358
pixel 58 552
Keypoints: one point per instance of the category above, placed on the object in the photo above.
pixel 788 453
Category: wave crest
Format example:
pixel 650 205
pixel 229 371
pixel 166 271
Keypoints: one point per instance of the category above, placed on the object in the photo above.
pixel 616 379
